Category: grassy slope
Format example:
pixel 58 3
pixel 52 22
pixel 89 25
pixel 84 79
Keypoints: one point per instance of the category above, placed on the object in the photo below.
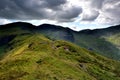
pixel 115 39
pixel 102 46
pixel 8 32
pixel 97 44
pixel 104 41
pixel 34 57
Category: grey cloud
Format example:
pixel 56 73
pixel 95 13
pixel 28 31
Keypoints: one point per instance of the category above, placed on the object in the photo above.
pixel 59 10
pixel 68 14
pixel 38 9
pixel 97 4
pixel 91 13
pixel 103 11
pixel 111 10
pixel 54 3
pixel 90 17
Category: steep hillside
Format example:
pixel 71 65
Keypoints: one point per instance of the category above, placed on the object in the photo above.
pixel 56 32
pixel 35 57
pixel 96 40
pixel 105 41
pixel 98 44
pixel 10 31
pixel 102 41
pixel 115 39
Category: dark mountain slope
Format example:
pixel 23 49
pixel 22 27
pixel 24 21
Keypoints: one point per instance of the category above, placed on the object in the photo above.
pixel 109 37
pixel 56 32
pixel 102 32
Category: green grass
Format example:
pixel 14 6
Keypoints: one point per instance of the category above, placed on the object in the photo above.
pixel 115 39
pixel 34 57
pixel 108 47
pixel 2 50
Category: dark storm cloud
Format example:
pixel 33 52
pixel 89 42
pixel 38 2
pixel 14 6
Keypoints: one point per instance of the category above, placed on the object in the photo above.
pixel 38 9
pixel 54 3
pixel 69 14
pixel 103 11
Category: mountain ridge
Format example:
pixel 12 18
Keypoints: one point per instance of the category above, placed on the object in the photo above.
pixel 98 40
pixel 26 23
pixel 34 56
pixel 31 53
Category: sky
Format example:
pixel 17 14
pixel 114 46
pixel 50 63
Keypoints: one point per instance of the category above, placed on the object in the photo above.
pixel 75 14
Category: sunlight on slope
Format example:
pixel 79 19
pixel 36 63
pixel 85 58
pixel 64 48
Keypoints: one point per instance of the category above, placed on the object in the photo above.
pixel 20 50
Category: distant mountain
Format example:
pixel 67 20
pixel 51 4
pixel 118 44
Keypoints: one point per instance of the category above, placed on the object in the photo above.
pixel 103 41
pixel 29 55
pixel 97 39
